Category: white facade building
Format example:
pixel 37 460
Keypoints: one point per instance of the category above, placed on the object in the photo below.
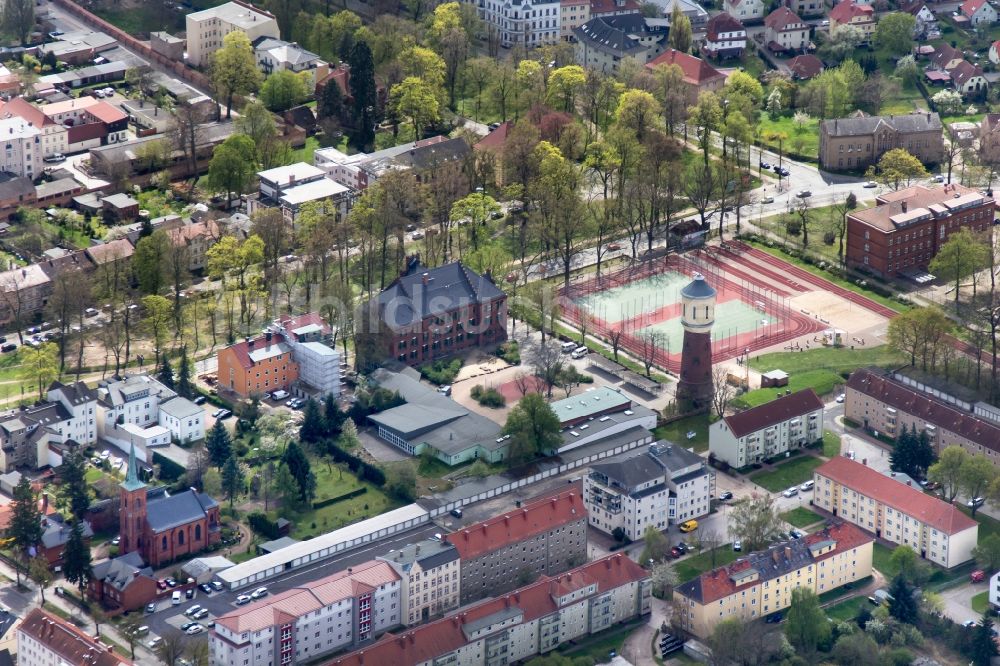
pixel 310 338
pixel 46 640
pixel 21 151
pixel 184 419
pixel 787 423
pixel 430 578
pixel 305 623
pixel 206 29
pixel 665 485
pixel 522 21
pixel 129 412
pixel 81 404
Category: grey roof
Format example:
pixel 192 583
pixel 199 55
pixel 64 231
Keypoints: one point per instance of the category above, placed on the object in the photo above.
pixel 121 571
pixel 861 125
pixel 631 471
pixel 202 565
pixel 613 34
pixel 13 186
pixel 408 300
pixel 472 626
pixel 431 418
pixel 674 457
pixel 435 154
pixel 76 393
pixel 120 200
pixel 277 544
pixel 134 387
pixel 591 428
pixel 698 288
pixel 56 187
pixel 55 532
pixel 173 510
pixel 180 408
pixel 288 52
pixel 430 553
pixel 7 620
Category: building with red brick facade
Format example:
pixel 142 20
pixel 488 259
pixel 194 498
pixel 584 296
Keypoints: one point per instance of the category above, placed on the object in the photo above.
pixel 163 527
pixel 432 313
pixel 905 229
pixel 257 365
pixel 124 583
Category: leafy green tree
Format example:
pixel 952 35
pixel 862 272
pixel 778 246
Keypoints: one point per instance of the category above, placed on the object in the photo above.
pixel 565 83
pixel 165 374
pixel 149 261
pixel 298 464
pixel 903 606
pixel 858 649
pixel 912 453
pixel 415 99
pixel 477 208
pixel 219 445
pixel 664 577
pixel 363 91
pixel 349 439
pixel 918 333
pixel 806 627
pixel 905 562
pixel 753 519
pixel 232 479
pixel 894 33
pixel 313 428
pixel 284 89
pixel 637 109
pixel 184 385
pixel 233 166
pixel 961 256
pixel 533 427
pixel 987 553
pixel 333 417
pixel 25 526
pixel 19 18
pixel 76 557
pixel 975 477
pixel 158 315
pixel 331 102
pixel 948 470
pixel 286 487
pixel 234 69
pixel 982 647
pixel 38 571
pixel 39 365
pixel 657 546
pixel 74 482
pixel 401 481
pixel 680 30
pixel 897 168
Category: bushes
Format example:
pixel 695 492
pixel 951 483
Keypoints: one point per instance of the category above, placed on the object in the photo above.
pixel 793 227
pixel 358 467
pixel 442 371
pixel 340 498
pixel 169 470
pixel 510 352
pixel 263 525
pixel 488 397
pixel 829 237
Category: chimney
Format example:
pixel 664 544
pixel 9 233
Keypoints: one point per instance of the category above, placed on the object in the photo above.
pixel 788 552
pixel 268 336
pixel 903 204
pixel 291 179
pixel 350 570
pixel 774 555
pixel 250 343
pixel 517 503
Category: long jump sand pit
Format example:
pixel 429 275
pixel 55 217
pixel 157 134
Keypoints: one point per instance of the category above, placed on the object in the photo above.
pixel 836 312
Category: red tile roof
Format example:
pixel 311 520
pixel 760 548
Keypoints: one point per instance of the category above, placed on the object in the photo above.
pixel 881 386
pixel 242 349
pixel 970 7
pixel 779 560
pixel 611 7
pixel 290 323
pixel 926 508
pixel 111 251
pixel 72 645
pixel 776 411
pixel 944 54
pixel 964 71
pixel 21 108
pixel 720 23
pixel 696 71
pixel 517 525
pixel 848 9
pixel 805 66
pixel 107 113
pixel 426 642
pixel 496 139
pixel 782 19
pixel 298 601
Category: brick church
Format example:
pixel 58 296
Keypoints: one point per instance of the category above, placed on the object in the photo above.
pixel 164 527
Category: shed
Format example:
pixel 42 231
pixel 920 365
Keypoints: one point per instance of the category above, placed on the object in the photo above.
pixel 276 545
pixel 774 378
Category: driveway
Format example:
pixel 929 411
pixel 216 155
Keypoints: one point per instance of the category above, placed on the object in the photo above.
pixel 957 601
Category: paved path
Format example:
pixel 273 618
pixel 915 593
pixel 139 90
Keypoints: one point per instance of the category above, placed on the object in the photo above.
pixel 636 648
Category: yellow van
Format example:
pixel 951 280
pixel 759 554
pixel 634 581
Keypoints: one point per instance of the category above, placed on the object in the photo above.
pixel 689 526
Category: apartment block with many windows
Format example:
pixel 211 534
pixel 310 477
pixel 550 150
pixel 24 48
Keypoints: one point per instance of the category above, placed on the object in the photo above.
pixel 784 424
pixel 430 572
pixel 894 511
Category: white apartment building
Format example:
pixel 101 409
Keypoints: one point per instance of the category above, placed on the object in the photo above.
pixel 310 338
pixel 430 574
pixel 22 147
pixel 514 627
pixel 80 403
pixel 206 29
pixel 787 423
pixel 994 595
pixel 46 640
pixel 305 623
pixel 276 54
pixel 665 485
pixel 522 21
pixel 894 511
pixel 129 412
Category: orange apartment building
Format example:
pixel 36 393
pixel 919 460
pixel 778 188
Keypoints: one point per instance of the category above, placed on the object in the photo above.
pixel 257 365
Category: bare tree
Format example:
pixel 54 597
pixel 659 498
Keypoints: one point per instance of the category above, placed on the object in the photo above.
pixel 615 338
pixel 13 291
pixel 722 390
pixel 188 121
pixel 172 647
pixel 547 361
pixel 652 342
pixel 522 380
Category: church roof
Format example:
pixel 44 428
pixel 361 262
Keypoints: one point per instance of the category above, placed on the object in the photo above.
pixel 171 511
pixel 132 482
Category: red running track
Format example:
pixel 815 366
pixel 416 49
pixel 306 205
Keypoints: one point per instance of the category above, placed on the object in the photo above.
pixel 732 270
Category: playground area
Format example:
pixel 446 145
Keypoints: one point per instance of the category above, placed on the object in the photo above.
pixel 643 302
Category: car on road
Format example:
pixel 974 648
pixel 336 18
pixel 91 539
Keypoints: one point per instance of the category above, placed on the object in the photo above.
pixel 194 609
pixel 55 34
pixel 175 598
pixel 206 588
pixel 870 184
pixel 803 194
pixel 726 496
pixel 151 607
pixel 938 178
pixel 259 593
pixel 807 486
pixel 278 396
pixel 221 414
pixel 614 247
pixel 765 165
pixel 243 599
pixel 189 593
pixel 975 502
pixel 580 352
pixel 676 552
pixel 688 526
pixel 783 172
pixel 791 492
pixel 444 390
pixel 201 615
pixel 457 513
pixel 796 534
pixel 969 624
pixel 767 200
pixel 737 545
pixel 773 618
pixel 841 397
pixel 117 540
pixel 54 158
pixel 9 347
pixel 199 400
pixel 154 643
pixel 493 126
pixel 194 630
pixel 295 403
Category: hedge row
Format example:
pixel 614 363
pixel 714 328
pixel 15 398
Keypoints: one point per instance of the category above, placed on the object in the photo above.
pixel 263 525
pixel 340 498
pixel 358 467
pixel 169 470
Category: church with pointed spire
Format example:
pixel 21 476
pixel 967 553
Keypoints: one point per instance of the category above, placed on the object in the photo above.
pixel 164 527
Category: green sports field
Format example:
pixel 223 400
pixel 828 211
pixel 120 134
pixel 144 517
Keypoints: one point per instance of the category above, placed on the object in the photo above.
pixel 731 318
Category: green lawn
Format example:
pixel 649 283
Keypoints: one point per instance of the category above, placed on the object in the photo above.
pixel 820 220
pixel 305 153
pixel 980 601
pixel 846 610
pixel 822 381
pixel 880 561
pixel 802 140
pixel 837 360
pixel 801 517
pixel 791 473
pixel 691 567
pixel 598 647
pixel 331 483
pixel 831 444
pixel 826 275
pixel 677 432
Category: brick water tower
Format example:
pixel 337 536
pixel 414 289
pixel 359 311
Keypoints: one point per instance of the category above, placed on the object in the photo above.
pixel 694 390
